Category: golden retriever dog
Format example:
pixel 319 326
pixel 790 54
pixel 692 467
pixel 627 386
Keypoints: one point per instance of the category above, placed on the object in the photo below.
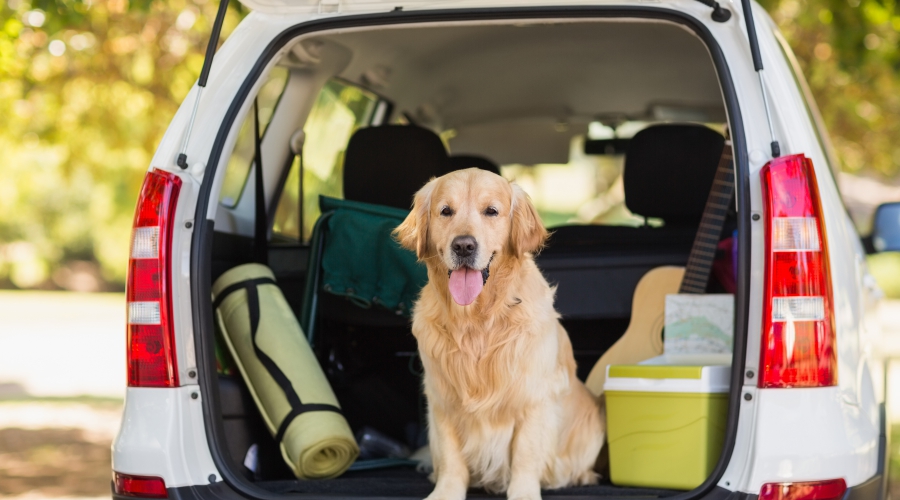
pixel 505 409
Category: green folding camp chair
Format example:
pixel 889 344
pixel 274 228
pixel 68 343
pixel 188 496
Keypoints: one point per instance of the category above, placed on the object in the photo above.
pixel 353 255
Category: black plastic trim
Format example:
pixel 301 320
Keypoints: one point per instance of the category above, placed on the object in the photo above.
pixel 872 489
pixel 884 450
pixel 719 493
pixel 202 238
pixel 215 491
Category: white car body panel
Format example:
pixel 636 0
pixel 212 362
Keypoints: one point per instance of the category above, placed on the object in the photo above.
pixel 162 434
pixel 827 439
pixel 804 434
pixel 783 434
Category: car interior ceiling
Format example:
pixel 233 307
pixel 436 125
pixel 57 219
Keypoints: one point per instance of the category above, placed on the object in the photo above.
pixel 468 80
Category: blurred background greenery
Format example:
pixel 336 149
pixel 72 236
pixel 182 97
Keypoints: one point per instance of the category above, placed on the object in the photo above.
pixel 87 88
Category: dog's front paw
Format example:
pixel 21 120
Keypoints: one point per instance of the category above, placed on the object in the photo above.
pixel 529 496
pixel 523 493
pixel 436 495
pixel 587 477
pixel 447 494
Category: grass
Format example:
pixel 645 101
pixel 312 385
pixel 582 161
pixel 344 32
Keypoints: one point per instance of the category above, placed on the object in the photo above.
pixel 53 463
pixel 894 466
pixel 58 446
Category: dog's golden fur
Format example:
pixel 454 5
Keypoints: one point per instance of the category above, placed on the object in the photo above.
pixel 506 411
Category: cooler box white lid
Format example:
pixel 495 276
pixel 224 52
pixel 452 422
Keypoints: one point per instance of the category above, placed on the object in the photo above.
pixel 656 375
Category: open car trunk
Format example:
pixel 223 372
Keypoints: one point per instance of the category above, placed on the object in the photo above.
pixel 557 104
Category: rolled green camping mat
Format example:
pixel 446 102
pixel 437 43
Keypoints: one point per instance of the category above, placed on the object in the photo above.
pixel 282 373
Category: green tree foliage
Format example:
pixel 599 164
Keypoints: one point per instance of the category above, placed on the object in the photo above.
pixel 87 89
pixel 849 54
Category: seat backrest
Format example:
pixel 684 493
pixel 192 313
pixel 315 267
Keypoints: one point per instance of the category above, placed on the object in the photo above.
pixel 460 162
pixel 386 165
pixel 669 171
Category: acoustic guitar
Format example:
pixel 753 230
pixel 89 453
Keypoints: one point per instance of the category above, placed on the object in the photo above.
pixel 643 338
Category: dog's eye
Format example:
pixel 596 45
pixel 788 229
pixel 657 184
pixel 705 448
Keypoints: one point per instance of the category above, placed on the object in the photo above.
pixel 446 211
pixel 490 211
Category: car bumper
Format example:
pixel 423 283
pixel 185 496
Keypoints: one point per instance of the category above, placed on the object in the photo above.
pixel 871 489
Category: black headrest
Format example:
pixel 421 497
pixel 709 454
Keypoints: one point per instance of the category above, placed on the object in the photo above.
pixel 386 165
pixel 669 170
pixel 461 162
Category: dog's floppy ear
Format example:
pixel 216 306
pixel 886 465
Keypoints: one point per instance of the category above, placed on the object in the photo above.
pixel 527 233
pixel 412 233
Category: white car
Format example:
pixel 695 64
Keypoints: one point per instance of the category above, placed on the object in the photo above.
pixel 560 95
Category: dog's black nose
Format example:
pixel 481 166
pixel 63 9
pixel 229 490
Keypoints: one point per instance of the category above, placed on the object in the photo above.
pixel 464 246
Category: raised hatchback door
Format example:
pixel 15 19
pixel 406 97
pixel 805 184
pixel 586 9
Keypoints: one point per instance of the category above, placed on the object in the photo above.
pixel 329 6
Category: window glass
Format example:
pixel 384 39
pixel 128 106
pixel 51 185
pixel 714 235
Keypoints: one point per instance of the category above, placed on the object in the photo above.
pixel 242 158
pixel 339 110
pixel 286 223
pixel 587 190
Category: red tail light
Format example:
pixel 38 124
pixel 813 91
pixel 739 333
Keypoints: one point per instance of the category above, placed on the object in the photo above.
pixel 140 486
pixel 798 338
pixel 151 340
pixel 833 489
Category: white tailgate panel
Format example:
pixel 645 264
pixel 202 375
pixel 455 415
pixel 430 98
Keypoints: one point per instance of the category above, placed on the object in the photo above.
pixel 810 434
pixel 162 435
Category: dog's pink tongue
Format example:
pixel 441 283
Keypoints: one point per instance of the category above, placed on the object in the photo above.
pixel 465 285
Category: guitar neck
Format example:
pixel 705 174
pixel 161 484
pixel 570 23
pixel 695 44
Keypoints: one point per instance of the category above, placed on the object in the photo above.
pixel 703 251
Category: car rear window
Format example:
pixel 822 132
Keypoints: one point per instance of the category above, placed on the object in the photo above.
pixel 339 110
pixel 242 158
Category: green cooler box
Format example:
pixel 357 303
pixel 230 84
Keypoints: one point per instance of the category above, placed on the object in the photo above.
pixel 665 423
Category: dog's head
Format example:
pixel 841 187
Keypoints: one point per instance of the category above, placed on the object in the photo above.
pixel 462 221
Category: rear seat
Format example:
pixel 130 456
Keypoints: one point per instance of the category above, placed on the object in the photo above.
pixel 366 352
pixel 385 166
pixel 460 162
pixel 668 174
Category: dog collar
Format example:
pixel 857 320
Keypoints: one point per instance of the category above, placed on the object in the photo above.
pixel 486 272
